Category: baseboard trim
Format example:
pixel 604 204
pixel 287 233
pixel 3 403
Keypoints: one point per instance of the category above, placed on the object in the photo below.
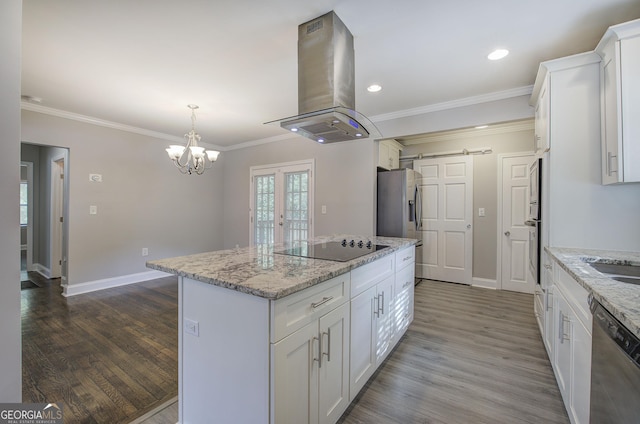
pixel 123 280
pixel 484 283
pixel 42 270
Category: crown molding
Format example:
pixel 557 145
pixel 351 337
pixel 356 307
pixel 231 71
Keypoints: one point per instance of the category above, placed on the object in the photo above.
pixel 467 101
pixel 467 133
pixel 108 124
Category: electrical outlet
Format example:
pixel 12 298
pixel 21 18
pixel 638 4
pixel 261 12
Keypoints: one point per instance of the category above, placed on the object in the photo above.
pixel 93 210
pixel 145 251
pixel 192 327
pixel 481 212
pixel 324 209
pixel 95 178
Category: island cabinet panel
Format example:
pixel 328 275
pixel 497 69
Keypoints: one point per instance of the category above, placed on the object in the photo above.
pixel 311 378
pixel 297 359
pixel 295 311
pixel 227 361
pixel 366 276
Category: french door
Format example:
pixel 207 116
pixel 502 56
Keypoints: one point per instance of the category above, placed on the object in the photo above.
pixel 281 206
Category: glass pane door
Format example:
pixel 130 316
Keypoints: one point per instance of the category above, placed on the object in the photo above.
pixel 281 203
pixel 264 206
pixel 296 207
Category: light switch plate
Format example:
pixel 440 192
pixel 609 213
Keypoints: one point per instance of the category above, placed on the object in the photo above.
pixel 95 178
pixel 192 327
pixel 93 210
pixel 481 212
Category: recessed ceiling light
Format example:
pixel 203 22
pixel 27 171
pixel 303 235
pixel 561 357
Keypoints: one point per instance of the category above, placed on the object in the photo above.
pixel 294 129
pixel 498 54
pixel 480 127
pixel 374 88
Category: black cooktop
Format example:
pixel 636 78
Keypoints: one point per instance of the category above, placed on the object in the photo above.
pixel 340 251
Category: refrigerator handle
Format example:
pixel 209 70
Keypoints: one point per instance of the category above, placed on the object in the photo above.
pixel 418 207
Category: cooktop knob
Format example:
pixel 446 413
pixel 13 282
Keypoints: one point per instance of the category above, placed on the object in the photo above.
pixel 360 244
pixel 369 244
pixel 344 242
pixel 352 243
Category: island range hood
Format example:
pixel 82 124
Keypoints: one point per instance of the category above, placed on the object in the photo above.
pixel 326 84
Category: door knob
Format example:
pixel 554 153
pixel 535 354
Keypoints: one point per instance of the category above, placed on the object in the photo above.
pixel 507 233
pixel 468 225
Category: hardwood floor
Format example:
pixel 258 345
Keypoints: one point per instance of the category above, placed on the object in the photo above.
pixel 108 356
pixel 471 355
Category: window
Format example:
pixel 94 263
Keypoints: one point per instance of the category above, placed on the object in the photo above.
pixel 24 203
pixel 282 203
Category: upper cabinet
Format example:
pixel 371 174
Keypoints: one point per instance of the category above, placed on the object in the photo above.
pixel 389 154
pixel 620 92
pixel 542 118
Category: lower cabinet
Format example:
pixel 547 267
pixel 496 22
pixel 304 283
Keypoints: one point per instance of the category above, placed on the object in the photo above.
pixel 311 384
pixel 372 331
pixel 298 359
pixel 570 348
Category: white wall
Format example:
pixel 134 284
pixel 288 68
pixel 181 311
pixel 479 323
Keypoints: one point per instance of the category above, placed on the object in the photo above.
pixel 10 349
pixel 143 200
pixel 344 182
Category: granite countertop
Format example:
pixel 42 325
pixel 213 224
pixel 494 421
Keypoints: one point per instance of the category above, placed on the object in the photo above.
pixel 261 271
pixel 621 299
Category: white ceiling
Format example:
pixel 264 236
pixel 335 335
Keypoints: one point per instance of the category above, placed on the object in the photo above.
pixel 139 63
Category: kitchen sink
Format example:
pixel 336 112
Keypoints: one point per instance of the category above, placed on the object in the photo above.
pixel 617 269
pixel 629 280
pixel 629 274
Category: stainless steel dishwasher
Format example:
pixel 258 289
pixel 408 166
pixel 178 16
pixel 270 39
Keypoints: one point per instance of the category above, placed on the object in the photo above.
pixel 615 370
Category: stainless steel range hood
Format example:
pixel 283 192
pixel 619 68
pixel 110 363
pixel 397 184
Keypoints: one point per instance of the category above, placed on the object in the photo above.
pixel 326 84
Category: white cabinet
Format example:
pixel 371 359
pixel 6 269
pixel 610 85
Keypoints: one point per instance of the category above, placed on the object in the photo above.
pixel 311 382
pixel 620 92
pixel 403 301
pixel 389 154
pixel 297 359
pixel 542 118
pixel 572 346
pixel 372 331
pixel 381 311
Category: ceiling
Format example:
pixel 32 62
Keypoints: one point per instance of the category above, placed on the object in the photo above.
pixel 139 63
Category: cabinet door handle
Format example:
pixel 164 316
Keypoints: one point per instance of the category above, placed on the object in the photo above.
pixel 376 308
pixel 381 304
pixel 328 353
pixel 563 336
pixel 549 300
pixel 610 170
pixel 319 358
pixel 322 302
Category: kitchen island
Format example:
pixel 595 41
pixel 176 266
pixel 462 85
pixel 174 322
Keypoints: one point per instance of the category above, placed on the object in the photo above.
pixel 266 337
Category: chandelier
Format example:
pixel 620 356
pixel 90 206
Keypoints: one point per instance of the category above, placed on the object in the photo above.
pixel 192 158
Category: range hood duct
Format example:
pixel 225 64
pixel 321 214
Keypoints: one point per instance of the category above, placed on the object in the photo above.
pixel 326 84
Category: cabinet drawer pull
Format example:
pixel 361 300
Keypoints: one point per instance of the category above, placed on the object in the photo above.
pixel 406 284
pixel 406 258
pixel 322 302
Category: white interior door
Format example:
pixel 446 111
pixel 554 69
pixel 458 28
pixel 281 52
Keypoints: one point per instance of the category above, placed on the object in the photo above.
pixel 447 214
pixel 57 213
pixel 514 234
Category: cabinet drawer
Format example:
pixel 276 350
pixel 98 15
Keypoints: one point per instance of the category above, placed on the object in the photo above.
pixel 575 294
pixel 404 279
pixel 370 274
pixel 297 310
pixel 405 257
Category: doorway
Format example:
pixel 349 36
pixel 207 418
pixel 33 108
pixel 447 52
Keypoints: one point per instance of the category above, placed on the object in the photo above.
pixel 281 204
pixel 43 169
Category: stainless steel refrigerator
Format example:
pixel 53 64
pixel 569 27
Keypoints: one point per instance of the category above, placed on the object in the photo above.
pixel 399 204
